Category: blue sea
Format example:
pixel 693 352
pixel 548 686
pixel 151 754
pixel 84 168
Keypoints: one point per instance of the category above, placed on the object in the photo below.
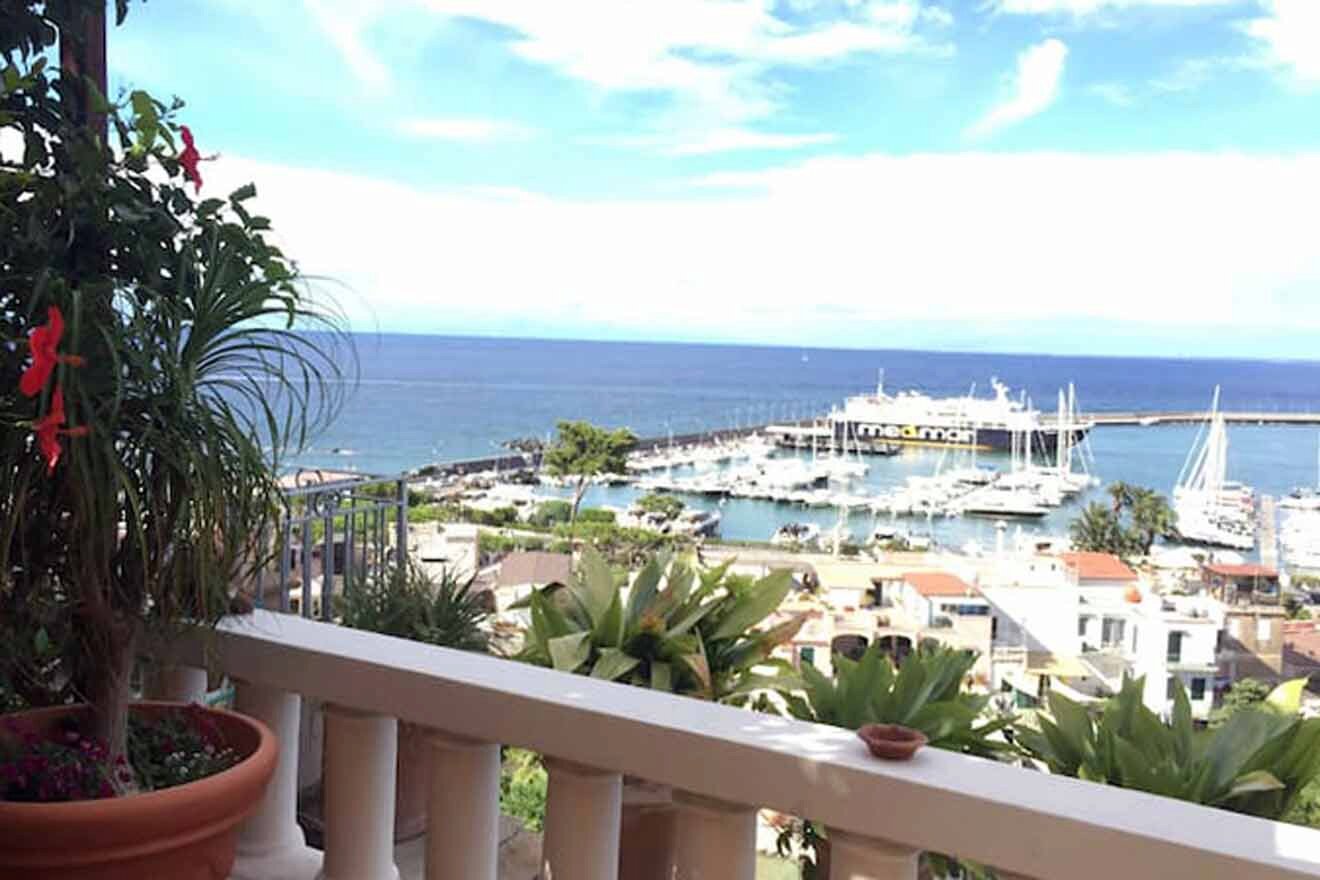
pixel 420 399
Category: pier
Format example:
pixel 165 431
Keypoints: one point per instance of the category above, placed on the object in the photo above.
pixel 1245 417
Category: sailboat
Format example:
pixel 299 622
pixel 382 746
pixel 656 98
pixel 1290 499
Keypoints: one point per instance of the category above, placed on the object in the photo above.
pixel 1210 509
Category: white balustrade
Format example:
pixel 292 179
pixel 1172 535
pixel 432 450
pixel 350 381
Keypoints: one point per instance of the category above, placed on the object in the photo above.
pixel 854 857
pixel 361 749
pixel 464 812
pixel 724 760
pixel 582 815
pixel 716 840
pixel 270 842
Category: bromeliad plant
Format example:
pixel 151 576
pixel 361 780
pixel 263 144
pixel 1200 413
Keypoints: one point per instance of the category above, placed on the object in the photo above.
pixel 925 693
pixel 153 372
pixel 1257 762
pixel 677 629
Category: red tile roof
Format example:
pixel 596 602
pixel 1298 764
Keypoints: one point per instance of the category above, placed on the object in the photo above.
pixel 1250 569
pixel 939 583
pixel 1098 566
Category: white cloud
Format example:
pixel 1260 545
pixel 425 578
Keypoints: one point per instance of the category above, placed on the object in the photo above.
pixel 466 129
pixel 718 140
pixel 1174 239
pixel 1288 37
pixel 712 55
pixel 343 24
pixel 1114 93
pixel 1035 88
pixel 729 139
pixel 1089 7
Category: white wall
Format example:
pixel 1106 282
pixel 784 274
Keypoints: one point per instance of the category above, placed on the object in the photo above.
pixel 1042 618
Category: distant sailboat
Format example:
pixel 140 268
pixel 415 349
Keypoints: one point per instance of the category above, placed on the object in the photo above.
pixel 1210 509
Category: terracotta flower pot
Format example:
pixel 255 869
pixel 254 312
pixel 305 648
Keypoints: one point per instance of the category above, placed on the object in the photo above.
pixel 893 742
pixel 188 832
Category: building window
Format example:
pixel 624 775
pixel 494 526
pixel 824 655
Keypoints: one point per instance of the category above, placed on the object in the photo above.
pixel 1170 688
pixel 807 654
pixel 1175 647
pixel 1263 629
pixel 994 628
pixel 1082 624
pixel 1198 689
pixel 1111 633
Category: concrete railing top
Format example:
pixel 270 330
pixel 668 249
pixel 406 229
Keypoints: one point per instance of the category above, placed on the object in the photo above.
pixel 1011 818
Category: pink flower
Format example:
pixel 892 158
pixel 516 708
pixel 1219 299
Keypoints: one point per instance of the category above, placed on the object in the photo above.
pixel 190 158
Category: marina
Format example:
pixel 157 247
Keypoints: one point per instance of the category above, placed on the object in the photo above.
pixel 814 483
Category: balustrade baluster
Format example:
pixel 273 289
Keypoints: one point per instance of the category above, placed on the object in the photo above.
pixel 361 750
pixel 462 837
pixel 854 857
pixel 716 840
pixel 271 845
pixel 582 816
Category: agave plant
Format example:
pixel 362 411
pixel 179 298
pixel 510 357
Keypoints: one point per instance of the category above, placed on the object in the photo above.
pixel 676 629
pixel 925 693
pixel 1257 762
pixel 407 602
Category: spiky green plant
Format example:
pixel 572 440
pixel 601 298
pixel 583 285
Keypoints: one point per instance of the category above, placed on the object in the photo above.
pixel 676 629
pixel 925 693
pixel 1256 762
pixel 409 603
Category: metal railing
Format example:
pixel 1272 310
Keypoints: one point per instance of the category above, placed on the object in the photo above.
pixel 335 534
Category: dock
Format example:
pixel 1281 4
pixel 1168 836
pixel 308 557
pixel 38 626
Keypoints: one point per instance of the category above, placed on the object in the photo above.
pixel 1266 538
pixel 1245 417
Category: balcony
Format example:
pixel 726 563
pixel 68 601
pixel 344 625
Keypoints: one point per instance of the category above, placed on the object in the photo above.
pixel 723 763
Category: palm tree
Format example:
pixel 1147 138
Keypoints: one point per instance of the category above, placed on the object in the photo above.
pixel 1123 494
pixel 1152 517
pixel 1098 530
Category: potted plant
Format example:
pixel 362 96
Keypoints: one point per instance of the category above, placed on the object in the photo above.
pixel 409 603
pixel 152 360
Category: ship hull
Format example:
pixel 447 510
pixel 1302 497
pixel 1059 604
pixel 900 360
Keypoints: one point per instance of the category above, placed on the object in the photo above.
pixel 1044 441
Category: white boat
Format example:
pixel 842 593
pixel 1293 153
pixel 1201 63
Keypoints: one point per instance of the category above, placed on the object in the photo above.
pixel 796 534
pixel 704 523
pixel 1210 509
pixel 1003 501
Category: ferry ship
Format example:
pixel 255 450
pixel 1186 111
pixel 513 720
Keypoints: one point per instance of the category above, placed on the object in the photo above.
pixel 998 423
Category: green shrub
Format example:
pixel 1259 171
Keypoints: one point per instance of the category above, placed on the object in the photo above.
pixel 551 513
pixel 595 515
pixel 667 506
pixel 523 786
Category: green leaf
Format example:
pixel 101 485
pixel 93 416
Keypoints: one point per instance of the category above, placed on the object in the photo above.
pixel 1287 697
pixel 1250 783
pixel 662 677
pixel 644 589
pixel 593 585
pixel 608 632
pixel 613 664
pixel 759 602
pixel 243 193
pixel 569 652
pixel 41 642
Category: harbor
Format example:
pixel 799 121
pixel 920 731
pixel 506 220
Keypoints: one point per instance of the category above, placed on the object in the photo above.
pixel 1004 473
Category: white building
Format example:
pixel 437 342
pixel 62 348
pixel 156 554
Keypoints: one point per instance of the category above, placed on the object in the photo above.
pixel 1080 626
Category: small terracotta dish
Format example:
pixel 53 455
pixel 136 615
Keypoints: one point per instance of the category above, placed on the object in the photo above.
pixel 893 742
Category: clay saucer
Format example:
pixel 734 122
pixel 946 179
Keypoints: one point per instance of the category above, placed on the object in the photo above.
pixel 893 742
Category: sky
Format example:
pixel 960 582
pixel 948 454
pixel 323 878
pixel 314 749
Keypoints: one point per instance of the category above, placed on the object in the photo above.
pixel 1068 176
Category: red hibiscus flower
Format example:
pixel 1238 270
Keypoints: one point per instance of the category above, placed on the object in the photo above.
pixel 190 158
pixel 44 342
pixel 49 428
